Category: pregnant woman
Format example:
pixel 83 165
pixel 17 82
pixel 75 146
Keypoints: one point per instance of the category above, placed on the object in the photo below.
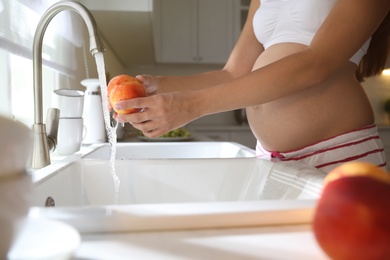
pixel 296 68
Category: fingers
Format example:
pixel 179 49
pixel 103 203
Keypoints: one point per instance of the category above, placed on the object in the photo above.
pixel 141 78
pixel 149 82
pixel 159 114
pixel 135 117
pixel 131 103
pixel 150 128
pixel 146 120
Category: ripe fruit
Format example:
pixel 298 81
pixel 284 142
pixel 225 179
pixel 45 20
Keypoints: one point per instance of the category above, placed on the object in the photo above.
pixel 123 87
pixel 352 217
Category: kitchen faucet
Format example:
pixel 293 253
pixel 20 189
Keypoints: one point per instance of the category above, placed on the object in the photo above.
pixel 44 142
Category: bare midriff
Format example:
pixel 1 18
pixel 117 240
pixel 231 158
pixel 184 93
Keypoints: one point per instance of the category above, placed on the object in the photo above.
pixel 336 106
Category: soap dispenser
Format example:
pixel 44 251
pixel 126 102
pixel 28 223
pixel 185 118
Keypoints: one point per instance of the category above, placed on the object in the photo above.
pixel 93 113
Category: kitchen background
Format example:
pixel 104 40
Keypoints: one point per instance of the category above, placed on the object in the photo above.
pixel 170 37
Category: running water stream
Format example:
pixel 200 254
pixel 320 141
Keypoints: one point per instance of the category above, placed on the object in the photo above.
pixel 111 130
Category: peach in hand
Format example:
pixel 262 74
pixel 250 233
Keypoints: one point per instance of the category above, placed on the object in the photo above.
pixel 123 87
pixel 352 217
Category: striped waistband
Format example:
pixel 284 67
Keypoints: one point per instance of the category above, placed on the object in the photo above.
pixel 353 145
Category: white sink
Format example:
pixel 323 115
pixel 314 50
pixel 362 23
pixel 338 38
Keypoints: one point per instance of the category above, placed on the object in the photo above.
pixel 177 193
pixel 89 182
pixel 158 150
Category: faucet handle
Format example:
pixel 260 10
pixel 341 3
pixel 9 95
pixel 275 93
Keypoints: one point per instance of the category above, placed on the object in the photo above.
pixel 52 122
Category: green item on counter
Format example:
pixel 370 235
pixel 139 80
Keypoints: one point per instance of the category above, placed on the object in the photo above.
pixel 179 132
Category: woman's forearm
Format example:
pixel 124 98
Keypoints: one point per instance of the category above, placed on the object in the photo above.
pixel 274 81
pixel 192 82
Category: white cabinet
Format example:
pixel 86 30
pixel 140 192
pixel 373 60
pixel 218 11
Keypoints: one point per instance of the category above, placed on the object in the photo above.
pixel 194 31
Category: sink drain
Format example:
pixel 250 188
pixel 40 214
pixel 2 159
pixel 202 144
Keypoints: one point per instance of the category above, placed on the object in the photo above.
pixel 50 202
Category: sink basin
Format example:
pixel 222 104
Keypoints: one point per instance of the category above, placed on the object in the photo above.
pixel 89 182
pixel 177 193
pixel 154 150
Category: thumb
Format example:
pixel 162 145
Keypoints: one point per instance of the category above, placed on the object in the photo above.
pixel 149 83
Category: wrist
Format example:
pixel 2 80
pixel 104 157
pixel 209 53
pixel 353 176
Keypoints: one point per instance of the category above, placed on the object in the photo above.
pixel 200 103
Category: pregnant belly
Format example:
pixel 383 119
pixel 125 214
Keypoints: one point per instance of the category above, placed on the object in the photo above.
pixel 336 106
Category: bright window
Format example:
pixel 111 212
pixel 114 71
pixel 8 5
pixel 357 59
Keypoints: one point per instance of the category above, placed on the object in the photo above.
pixel 62 41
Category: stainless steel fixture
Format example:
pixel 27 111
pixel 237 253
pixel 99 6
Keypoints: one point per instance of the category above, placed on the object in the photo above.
pixel 41 157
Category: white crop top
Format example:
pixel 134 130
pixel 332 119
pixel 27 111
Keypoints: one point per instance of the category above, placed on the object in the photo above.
pixel 278 21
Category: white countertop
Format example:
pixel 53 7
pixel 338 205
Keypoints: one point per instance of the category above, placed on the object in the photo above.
pixel 269 242
pixel 50 239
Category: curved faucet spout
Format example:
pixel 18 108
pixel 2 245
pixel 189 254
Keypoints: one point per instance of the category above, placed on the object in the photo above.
pixel 96 44
pixel 41 157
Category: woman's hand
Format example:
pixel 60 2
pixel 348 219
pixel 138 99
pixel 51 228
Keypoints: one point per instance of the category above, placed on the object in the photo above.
pixel 150 83
pixel 160 113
